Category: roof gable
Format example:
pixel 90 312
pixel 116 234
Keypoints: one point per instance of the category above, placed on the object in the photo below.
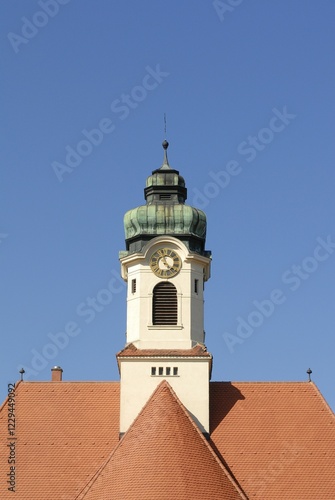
pixel 163 455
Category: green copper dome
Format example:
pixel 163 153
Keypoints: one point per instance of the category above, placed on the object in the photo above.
pixel 165 212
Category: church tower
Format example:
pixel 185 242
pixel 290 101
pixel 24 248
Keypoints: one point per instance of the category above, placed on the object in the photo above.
pixel 165 266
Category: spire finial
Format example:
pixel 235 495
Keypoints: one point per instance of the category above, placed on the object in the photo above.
pixel 22 371
pixel 165 145
pixel 309 372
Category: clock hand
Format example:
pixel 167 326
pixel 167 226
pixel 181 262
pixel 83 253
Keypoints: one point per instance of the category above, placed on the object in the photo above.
pixel 166 264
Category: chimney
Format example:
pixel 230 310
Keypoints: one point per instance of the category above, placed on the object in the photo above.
pixel 56 374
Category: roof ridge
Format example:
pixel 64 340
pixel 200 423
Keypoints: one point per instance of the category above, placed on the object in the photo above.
pixel 204 440
pixel 110 456
pixel 25 382
pixel 92 480
pixel 163 385
pixel 260 382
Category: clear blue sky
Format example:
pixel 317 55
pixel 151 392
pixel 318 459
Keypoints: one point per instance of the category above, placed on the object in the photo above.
pixel 248 89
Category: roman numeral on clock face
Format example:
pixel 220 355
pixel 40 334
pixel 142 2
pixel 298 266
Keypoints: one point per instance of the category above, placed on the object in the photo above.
pixel 165 263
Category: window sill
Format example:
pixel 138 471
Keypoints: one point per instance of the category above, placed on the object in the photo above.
pixel 165 327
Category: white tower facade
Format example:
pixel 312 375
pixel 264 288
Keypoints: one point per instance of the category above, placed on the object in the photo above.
pixel 165 312
pixel 165 267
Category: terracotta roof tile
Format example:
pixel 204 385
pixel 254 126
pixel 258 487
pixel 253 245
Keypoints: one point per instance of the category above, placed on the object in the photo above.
pixel 278 438
pixel 64 431
pixel 132 351
pixel 163 456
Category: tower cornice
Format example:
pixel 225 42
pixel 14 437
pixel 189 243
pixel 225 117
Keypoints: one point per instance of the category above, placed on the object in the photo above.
pixel 127 258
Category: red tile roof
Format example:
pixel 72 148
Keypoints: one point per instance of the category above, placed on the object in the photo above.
pixel 130 350
pixel 277 438
pixel 64 431
pixel 163 456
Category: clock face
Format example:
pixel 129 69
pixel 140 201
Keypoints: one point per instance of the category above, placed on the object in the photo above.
pixel 165 263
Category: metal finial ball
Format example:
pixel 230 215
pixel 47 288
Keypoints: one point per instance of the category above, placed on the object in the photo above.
pixel 309 371
pixel 165 144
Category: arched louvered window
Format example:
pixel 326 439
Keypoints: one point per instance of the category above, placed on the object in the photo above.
pixel 164 306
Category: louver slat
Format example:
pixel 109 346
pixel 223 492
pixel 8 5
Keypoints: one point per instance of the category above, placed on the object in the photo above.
pixel 165 304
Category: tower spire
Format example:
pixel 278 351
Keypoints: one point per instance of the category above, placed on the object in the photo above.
pixel 165 145
pixel 165 265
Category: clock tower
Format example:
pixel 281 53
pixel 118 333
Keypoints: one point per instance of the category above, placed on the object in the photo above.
pixel 165 266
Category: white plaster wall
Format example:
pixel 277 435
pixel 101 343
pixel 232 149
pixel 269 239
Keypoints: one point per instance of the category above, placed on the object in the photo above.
pixel 190 327
pixel 191 386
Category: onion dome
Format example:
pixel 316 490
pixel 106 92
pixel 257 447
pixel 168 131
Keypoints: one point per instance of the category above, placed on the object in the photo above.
pixel 165 212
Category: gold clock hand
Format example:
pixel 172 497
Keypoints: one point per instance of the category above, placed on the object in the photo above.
pixel 166 264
